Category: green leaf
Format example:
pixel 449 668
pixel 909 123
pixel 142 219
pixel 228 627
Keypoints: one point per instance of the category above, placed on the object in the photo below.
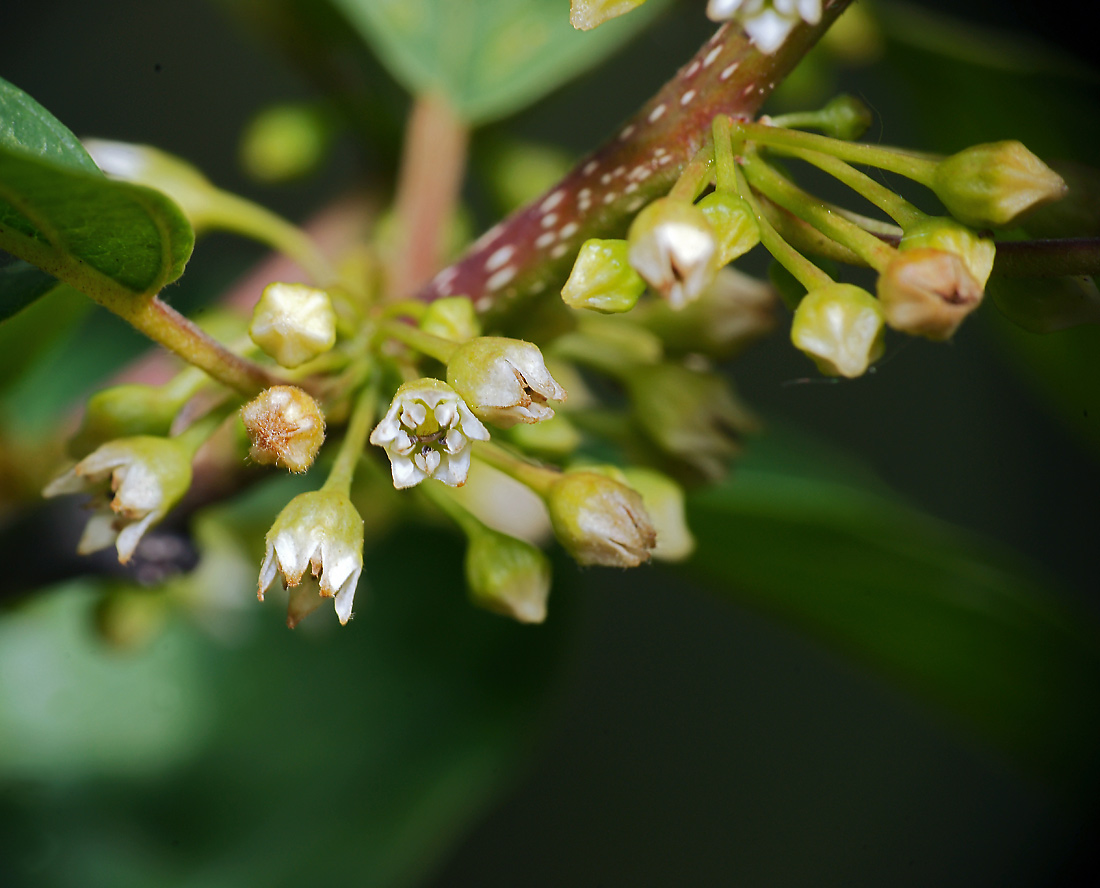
pixel 324 756
pixel 20 285
pixel 488 58
pixel 950 617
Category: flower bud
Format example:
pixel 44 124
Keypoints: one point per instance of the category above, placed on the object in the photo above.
pixel 320 530
pixel 124 411
pixel 845 117
pixel 840 328
pixel 664 501
pixel 691 415
pixel 285 142
pixel 585 15
pixel 927 293
pixel 426 434
pixel 134 482
pixel 504 381
pixel 293 323
pixel 451 318
pixel 285 426
pixel 990 185
pixel 976 253
pixel 733 312
pixel 599 520
pixel 734 224
pixel 507 576
pixel 602 278
pixel 672 246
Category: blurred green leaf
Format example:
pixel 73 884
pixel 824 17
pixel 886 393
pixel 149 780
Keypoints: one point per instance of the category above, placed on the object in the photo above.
pixel 950 617
pixel 20 285
pixel 488 58
pixel 346 756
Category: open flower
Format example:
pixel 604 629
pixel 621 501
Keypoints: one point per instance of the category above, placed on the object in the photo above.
pixel 504 381
pixel 134 482
pixel 322 531
pixel 673 247
pixel 426 434
pixel 767 22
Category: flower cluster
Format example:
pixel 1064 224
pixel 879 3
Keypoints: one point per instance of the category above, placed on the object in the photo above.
pixel 767 22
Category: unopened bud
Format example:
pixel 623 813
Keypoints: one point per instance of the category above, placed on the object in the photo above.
pixel 285 142
pixel 504 381
pixel 600 521
pixel 976 253
pixel 451 318
pixel 691 415
pixel 664 501
pixel 285 426
pixel 124 411
pixel 840 328
pixel 672 246
pixel 602 278
pixel 927 293
pixel 507 576
pixel 845 117
pixel 585 15
pixel 734 224
pixel 991 184
pixel 733 312
pixel 293 323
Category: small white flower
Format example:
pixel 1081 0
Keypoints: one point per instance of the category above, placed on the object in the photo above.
pixel 320 530
pixel 672 246
pixel 135 481
pixel 293 323
pixel 504 381
pixel 426 433
pixel 767 22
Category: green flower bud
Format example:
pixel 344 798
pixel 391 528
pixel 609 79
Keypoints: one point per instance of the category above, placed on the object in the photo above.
pixel 587 14
pixel 927 293
pixel 691 415
pixel 124 411
pixel 664 501
pixel 990 185
pixel 977 253
pixel 845 117
pixel 599 520
pixel 507 576
pixel 672 246
pixel 602 278
pixel 734 224
pixel 134 482
pixel 285 142
pixel 451 318
pixel 293 323
pixel 320 530
pixel 504 381
pixel 733 312
pixel 285 426
pixel 840 328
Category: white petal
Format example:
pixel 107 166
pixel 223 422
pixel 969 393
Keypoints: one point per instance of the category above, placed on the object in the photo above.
pixel 769 30
pixel 99 533
pixel 268 571
pixel 131 534
pixel 404 473
pixel 454 469
pixel 69 482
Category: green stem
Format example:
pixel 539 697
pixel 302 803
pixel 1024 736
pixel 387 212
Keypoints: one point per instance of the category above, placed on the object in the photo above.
pixel 355 439
pixel 805 272
pixel 696 175
pixel 919 169
pixel 539 478
pixel 433 346
pixel 725 165
pixel 788 195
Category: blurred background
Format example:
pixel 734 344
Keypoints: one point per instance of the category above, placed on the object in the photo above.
pixel 665 727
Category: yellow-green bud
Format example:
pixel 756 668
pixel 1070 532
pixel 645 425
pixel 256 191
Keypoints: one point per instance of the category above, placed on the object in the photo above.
pixel 991 184
pixel 285 426
pixel 600 521
pixel 927 293
pixel 734 224
pixel 691 415
pixel 664 501
pixel 977 253
pixel 507 576
pixel 322 531
pixel 285 142
pixel 134 482
pixel 733 312
pixel 293 323
pixel 451 318
pixel 124 411
pixel 845 117
pixel 602 278
pixel 840 327
pixel 504 381
pixel 587 14
pixel 672 246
